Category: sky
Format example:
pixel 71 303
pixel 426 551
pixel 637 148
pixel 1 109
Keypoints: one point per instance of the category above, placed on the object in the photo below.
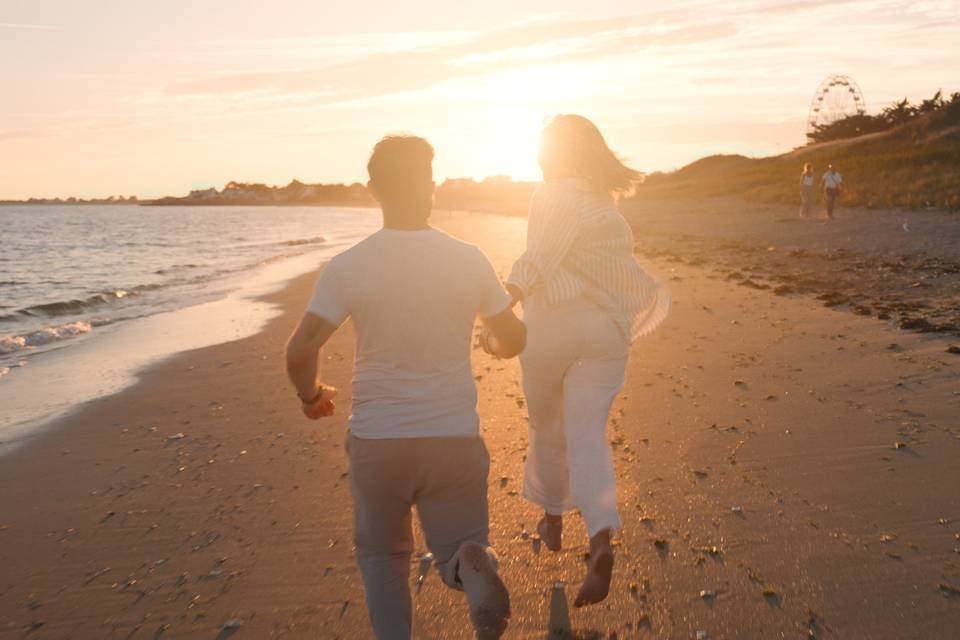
pixel 134 97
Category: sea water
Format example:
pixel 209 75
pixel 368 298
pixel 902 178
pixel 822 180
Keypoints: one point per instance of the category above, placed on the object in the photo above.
pixel 90 293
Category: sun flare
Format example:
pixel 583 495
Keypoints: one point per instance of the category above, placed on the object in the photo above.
pixel 509 140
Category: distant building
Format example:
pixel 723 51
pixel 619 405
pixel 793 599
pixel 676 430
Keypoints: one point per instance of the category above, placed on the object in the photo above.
pixel 203 194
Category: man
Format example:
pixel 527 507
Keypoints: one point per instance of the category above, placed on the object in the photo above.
pixel 831 182
pixel 413 294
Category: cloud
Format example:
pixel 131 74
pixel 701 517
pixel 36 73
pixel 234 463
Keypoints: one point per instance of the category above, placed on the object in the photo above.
pixel 497 50
pixel 16 25
pixel 18 134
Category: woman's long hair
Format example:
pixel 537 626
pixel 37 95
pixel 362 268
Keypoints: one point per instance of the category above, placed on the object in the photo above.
pixel 572 146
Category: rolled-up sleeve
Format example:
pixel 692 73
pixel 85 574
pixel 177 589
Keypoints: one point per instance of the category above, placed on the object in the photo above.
pixel 552 227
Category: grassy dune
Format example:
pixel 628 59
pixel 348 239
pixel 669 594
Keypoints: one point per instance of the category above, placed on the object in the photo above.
pixel 916 165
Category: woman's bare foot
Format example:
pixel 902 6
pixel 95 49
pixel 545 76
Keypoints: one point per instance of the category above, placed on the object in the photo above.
pixel 596 584
pixel 550 529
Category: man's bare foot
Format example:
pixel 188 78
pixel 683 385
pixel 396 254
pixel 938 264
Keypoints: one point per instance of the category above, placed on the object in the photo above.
pixel 596 584
pixel 486 594
pixel 550 529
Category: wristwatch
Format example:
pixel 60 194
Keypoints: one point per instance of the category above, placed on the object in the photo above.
pixel 315 397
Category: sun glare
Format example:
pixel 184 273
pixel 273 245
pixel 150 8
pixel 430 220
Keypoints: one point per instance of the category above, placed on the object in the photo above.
pixel 509 141
pixel 508 109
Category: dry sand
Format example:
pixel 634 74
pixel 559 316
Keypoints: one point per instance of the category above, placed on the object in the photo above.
pixel 786 471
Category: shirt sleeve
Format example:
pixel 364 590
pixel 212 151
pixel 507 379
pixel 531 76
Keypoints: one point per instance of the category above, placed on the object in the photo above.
pixel 493 297
pixel 328 300
pixel 552 227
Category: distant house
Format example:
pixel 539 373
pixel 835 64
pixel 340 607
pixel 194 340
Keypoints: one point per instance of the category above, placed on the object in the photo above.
pixel 203 194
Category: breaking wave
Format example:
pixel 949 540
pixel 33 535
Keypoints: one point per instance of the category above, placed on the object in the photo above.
pixel 44 336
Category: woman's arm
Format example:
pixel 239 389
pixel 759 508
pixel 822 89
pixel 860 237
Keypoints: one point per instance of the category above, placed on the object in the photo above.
pixel 553 226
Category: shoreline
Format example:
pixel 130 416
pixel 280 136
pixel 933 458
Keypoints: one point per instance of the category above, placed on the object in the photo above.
pixel 755 446
pixel 61 380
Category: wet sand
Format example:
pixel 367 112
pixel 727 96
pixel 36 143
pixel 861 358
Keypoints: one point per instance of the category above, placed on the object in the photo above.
pixel 787 470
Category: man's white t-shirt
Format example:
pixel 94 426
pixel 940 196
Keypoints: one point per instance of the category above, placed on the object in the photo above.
pixel 413 297
pixel 832 180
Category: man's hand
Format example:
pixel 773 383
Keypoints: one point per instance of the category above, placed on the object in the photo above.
pixel 503 335
pixel 322 407
pixel 303 350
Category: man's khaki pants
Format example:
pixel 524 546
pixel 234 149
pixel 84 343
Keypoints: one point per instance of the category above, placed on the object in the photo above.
pixel 446 478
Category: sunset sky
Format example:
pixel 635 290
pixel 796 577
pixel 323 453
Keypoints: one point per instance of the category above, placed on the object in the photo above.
pixel 149 98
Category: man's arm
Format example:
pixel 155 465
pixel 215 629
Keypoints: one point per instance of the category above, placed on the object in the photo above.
pixel 303 353
pixel 507 334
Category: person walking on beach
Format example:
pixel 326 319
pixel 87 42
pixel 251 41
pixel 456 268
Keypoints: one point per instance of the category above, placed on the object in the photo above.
pixel 413 294
pixel 807 190
pixel 585 299
pixel 831 182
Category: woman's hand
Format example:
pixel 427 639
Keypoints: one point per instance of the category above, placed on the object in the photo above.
pixel 515 292
pixel 323 406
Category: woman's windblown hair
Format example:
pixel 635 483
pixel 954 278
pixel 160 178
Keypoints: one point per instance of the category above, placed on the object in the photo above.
pixel 572 146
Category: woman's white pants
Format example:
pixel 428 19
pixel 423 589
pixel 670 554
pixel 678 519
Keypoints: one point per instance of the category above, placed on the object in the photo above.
pixel 573 368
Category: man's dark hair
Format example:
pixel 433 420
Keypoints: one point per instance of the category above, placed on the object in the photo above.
pixel 400 163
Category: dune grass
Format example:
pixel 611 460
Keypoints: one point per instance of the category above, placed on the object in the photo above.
pixel 916 165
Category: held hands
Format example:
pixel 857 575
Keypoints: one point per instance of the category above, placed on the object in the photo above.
pixel 322 406
pixel 515 292
pixel 488 343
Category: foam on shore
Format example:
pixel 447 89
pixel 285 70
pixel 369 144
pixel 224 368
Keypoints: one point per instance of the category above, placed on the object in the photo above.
pixel 57 382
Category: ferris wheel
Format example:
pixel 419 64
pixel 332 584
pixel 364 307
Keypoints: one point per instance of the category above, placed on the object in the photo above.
pixel 837 97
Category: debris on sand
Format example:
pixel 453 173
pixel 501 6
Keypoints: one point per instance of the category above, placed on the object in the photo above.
pixel 917 324
pixel 233 623
pixel 953 349
pixel 176 436
pixel 750 284
pixel 833 299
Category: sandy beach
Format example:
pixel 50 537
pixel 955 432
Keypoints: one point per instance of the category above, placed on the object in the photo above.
pixel 787 469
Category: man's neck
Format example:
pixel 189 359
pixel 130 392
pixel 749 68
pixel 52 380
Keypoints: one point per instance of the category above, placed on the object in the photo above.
pixel 404 223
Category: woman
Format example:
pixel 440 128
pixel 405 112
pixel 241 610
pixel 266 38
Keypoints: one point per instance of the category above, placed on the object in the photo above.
pixel 585 299
pixel 807 190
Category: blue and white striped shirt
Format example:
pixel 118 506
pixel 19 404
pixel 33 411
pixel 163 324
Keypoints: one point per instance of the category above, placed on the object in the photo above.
pixel 578 244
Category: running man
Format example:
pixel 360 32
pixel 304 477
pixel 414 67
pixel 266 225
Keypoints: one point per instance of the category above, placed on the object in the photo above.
pixel 413 294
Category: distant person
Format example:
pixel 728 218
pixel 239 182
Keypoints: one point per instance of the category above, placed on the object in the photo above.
pixel 831 181
pixel 808 190
pixel 413 294
pixel 585 299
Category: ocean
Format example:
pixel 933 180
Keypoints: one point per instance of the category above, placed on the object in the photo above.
pixel 75 280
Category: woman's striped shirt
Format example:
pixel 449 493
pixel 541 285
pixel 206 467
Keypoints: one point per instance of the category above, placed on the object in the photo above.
pixel 578 244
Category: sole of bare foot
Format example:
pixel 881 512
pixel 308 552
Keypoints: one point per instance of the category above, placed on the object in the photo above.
pixel 487 596
pixel 551 533
pixel 596 584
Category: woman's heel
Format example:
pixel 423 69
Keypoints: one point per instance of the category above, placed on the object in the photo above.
pixel 550 529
